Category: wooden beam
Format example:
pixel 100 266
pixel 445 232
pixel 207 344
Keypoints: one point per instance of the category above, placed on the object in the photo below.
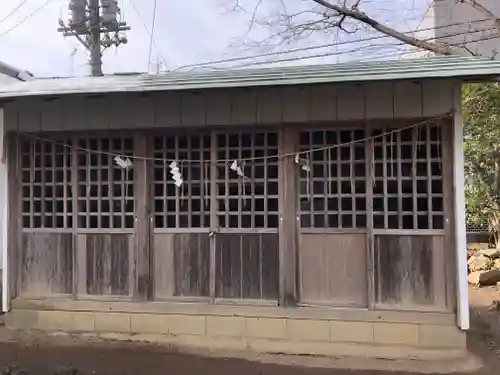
pixel 288 218
pixel 143 283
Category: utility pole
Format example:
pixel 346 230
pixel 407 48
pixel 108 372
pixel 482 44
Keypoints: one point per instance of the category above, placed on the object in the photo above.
pixel 95 24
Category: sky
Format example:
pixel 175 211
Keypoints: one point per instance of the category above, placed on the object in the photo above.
pixel 186 32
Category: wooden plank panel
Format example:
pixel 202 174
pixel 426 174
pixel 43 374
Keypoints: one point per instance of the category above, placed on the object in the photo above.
pixel 407 99
pixel 167 109
pixel 193 108
pixel 243 106
pixel 164 277
pixel 46 264
pixel 73 113
pixel 108 264
pixel 437 97
pixel 270 105
pixel 409 272
pixel 30 117
pixel 295 104
pixel 120 109
pixel 218 107
pixel 351 102
pixel 11 118
pixel 247 266
pixel 379 100
pixel 333 269
pixel 323 101
pixel 191 264
pixel 96 112
pixel 51 114
pixel 143 110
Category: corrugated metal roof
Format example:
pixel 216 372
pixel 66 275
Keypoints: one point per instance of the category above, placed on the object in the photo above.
pixel 431 67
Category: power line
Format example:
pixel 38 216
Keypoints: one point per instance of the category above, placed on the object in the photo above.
pixel 153 22
pixel 320 46
pixel 26 18
pixel 149 32
pixel 19 6
pixel 359 49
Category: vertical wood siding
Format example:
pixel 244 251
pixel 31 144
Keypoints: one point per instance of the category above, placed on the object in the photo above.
pixel 46 264
pixel 248 106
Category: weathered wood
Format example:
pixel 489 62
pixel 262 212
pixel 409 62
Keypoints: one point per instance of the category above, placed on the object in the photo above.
pixel 409 272
pixel 192 264
pixel 108 263
pixel 246 266
pixel 333 269
pixel 288 218
pixel 47 264
pixel 143 258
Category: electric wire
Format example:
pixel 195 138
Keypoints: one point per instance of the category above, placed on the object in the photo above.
pixel 19 6
pixel 153 23
pixel 26 18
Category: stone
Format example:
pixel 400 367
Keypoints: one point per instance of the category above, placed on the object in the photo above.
pixel 496 264
pixel 490 253
pixel 490 277
pixel 479 263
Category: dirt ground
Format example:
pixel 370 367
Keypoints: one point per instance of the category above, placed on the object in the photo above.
pixel 39 357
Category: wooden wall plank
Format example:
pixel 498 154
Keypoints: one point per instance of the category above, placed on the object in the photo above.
pixel 288 177
pixel 193 108
pixel 11 115
pixel 333 269
pixel 323 103
pixel 247 266
pixel 243 106
pixel 142 176
pixel 81 264
pixel 351 102
pixel 46 264
pixel 74 116
pixel 295 104
pixel 167 109
pixel 51 114
pixel 108 264
pixel 409 272
pixel 121 111
pixel 164 273
pixel 144 111
pixel 407 99
pixel 270 105
pixel 218 106
pixel 29 111
pixel 191 265
pixel 380 100
pixel 437 97
pixel 96 112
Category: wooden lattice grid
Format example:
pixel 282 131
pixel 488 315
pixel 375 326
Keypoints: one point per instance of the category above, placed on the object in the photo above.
pixel 333 179
pixel 250 201
pixel 105 190
pixel 189 205
pixel 408 179
pixel 47 200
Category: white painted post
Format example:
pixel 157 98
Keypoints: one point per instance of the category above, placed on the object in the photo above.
pixel 459 218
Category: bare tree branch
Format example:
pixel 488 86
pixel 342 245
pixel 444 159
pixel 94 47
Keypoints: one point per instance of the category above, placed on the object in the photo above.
pixel 354 13
pixel 485 11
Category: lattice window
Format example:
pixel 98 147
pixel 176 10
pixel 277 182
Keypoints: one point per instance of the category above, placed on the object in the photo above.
pixel 333 191
pixel 188 206
pixel 106 191
pixel 252 201
pixel 47 200
pixel 408 186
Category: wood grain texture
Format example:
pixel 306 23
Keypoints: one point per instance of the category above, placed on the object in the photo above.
pixel 46 264
pixel 181 265
pixel 409 272
pixel 108 262
pixel 247 266
pixel 333 269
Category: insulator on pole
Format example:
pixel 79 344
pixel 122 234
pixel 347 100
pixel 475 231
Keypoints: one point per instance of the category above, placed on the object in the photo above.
pixel 78 10
pixel 109 15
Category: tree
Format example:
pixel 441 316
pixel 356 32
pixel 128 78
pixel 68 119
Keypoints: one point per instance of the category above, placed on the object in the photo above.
pixel 481 114
pixel 348 16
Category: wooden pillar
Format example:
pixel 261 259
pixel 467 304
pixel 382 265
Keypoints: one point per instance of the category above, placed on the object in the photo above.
pixel 288 218
pixel 143 288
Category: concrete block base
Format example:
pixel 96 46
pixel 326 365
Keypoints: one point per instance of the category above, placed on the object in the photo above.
pixel 420 337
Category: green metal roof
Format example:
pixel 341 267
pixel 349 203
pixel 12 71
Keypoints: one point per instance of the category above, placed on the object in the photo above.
pixel 464 68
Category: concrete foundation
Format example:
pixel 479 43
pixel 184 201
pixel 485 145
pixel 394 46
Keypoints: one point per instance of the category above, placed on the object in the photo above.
pixel 359 333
